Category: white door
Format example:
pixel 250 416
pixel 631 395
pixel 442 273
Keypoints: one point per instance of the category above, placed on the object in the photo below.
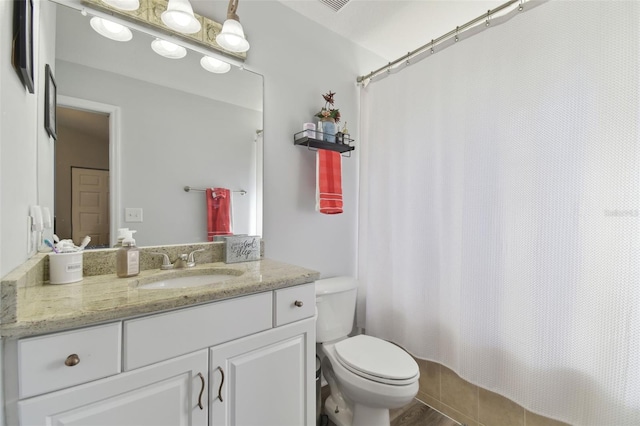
pixel 90 205
pixel 167 393
pixel 266 379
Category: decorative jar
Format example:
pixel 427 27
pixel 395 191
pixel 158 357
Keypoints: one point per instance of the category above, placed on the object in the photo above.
pixel 329 129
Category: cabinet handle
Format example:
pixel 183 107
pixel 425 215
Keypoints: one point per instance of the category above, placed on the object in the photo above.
pixel 221 383
pixel 201 392
pixel 298 303
pixel 72 360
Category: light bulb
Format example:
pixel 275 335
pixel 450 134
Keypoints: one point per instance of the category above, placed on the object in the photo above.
pixel 214 65
pixel 123 4
pixel 231 37
pixel 111 30
pixel 179 17
pixel 167 49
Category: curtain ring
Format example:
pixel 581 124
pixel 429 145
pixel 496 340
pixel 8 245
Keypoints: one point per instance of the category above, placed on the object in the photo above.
pixel 456 39
pixel 487 23
pixel 521 7
pixel 389 68
pixel 432 51
pixel 407 61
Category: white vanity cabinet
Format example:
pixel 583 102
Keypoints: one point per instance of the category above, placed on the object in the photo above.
pixel 168 368
pixel 268 379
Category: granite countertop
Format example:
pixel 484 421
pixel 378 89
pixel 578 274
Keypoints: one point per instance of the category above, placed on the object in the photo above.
pixel 48 308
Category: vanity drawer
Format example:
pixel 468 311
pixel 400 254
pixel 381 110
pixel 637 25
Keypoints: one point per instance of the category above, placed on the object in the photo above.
pixel 294 303
pixel 158 337
pixel 56 361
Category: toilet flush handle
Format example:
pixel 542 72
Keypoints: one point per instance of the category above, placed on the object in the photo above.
pixel 298 303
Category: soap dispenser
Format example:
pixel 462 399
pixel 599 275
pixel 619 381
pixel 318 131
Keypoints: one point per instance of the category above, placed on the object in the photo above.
pixel 122 233
pixel 346 137
pixel 128 257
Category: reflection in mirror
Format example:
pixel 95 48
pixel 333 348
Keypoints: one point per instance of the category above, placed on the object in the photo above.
pixel 147 126
pixel 82 164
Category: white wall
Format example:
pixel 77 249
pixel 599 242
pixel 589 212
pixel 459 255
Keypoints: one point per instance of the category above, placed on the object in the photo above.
pixel 21 126
pixel 5 37
pixel 301 61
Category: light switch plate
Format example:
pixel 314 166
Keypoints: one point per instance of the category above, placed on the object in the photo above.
pixel 133 214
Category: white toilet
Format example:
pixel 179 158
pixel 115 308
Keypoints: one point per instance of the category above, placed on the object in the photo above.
pixel 367 375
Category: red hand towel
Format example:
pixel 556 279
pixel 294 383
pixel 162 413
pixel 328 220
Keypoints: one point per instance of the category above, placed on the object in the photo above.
pixel 218 212
pixel 329 182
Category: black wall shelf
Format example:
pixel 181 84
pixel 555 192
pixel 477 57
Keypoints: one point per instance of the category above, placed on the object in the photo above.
pixel 300 139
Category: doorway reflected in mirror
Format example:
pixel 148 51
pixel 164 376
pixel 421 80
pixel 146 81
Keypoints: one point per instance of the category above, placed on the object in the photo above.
pixel 82 176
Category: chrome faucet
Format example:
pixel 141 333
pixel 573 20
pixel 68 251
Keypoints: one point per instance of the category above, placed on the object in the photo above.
pixel 191 260
pixel 183 261
pixel 166 263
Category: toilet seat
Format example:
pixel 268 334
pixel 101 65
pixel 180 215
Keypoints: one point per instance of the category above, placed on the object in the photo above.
pixel 377 360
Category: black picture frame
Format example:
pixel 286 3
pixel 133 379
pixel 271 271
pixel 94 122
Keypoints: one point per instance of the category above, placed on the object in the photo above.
pixel 50 102
pixel 23 47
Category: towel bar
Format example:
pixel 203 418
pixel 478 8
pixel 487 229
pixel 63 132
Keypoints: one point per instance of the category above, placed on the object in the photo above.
pixel 189 188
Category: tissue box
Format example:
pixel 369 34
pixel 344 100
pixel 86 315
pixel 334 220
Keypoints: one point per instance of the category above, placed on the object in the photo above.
pixel 241 249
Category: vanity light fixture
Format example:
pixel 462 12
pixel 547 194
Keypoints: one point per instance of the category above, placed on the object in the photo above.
pixel 110 29
pixel 179 17
pixel 214 65
pixel 123 4
pixel 167 49
pixel 232 37
pixel 155 16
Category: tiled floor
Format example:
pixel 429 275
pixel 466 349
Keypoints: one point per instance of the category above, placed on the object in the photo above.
pixel 414 414
pixel 419 414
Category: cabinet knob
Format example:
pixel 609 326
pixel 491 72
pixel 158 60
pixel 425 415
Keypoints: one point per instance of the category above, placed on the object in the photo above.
pixel 72 360
pixel 298 303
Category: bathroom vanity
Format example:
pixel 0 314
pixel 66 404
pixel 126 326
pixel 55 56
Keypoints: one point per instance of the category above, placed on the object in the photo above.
pixel 111 351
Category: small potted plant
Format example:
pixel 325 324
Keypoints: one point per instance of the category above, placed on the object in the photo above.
pixel 329 116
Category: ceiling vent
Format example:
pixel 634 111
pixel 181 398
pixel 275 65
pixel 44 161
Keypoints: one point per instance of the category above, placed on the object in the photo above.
pixel 336 5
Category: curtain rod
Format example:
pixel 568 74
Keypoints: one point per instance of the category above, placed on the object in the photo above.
pixel 189 188
pixel 435 42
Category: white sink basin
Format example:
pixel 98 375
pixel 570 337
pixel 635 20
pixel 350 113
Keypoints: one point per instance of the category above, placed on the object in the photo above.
pixel 184 282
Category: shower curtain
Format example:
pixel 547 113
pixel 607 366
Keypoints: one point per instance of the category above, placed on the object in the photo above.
pixel 499 210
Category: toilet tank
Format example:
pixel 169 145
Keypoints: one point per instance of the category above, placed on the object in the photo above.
pixel 336 305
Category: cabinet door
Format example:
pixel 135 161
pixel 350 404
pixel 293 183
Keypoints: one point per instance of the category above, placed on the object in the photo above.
pixel 166 393
pixel 266 379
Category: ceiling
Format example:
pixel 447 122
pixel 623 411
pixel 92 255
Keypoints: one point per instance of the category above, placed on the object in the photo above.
pixel 388 28
pixel 392 28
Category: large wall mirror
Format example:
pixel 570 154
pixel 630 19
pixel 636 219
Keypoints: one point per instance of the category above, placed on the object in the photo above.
pixel 148 126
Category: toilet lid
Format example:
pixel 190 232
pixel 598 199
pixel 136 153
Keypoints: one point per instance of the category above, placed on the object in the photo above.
pixel 377 360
